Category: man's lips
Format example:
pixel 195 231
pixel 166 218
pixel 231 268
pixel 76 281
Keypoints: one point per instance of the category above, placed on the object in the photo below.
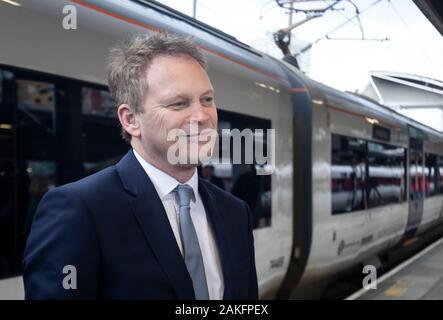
pixel 201 134
pixel 199 137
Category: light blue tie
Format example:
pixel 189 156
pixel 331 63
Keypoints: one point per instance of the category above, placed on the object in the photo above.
pixel 191 249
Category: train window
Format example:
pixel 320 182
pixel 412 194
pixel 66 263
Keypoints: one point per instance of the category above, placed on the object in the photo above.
pixel 103 145
pixel 417 173
pixel 241 179
pixel 1 85
pixel 381 133
pixel 386 181
pixel 7 202
pixel 42 177
pixel 28 161
pixel 348 173
pixel 440 174
pixel 365 174
pixel 53 130
pixel 5 76
pixel 36 149
pixel 97 102
pixel 35 119
pixel 34 95
pixel 431 175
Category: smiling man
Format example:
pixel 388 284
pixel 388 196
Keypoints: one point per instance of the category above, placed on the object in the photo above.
pixel 147 228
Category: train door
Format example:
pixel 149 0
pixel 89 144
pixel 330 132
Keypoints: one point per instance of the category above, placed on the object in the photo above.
pixel 7 186
pixel 416 182
pixel 53 130
pixel 28 159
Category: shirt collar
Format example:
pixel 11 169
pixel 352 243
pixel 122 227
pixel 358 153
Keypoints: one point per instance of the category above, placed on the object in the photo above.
pixel 162 181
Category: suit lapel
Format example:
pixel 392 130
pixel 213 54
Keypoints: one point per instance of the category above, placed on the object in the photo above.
pixel 151 216
pixel 221 237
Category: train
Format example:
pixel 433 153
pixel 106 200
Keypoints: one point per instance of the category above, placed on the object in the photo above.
pixel 352 179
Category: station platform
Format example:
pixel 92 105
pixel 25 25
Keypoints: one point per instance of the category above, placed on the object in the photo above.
pixel 418 278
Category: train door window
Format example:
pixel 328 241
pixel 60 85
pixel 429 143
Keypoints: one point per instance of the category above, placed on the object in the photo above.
pixel 416 185
pixel 440 175
pixel 36 145
pixel 97 102
pixel 431 175
pixel 1 85
pixel 7 186
pixel 42 122
pixel 27 158
pixel 241 179
pixel 348 172
pixel 35 96
pixel 386 181
pixel 103 144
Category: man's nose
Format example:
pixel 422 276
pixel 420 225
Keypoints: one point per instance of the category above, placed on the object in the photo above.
pixel 199 113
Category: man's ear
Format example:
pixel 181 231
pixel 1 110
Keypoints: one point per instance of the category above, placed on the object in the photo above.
pixel 128 120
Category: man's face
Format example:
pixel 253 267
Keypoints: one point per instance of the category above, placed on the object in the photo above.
pixel 179 95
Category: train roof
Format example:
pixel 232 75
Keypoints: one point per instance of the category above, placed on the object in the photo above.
pixel 367 103
pixel 134 15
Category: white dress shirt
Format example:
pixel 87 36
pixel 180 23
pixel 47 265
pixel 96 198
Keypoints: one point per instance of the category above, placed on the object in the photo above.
pixel 164 185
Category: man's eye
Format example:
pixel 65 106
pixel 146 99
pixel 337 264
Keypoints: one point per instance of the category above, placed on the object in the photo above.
pixel 208 100
pixel 178 105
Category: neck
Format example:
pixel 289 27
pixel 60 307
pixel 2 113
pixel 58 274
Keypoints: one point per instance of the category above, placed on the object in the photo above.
pixel 180 173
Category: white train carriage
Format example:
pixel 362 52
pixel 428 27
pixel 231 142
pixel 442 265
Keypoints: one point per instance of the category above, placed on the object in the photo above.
pixel 351 178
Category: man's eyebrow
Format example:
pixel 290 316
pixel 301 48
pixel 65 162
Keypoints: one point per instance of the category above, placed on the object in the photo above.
pixel 183 95
pixel 174 97
pixel 207 91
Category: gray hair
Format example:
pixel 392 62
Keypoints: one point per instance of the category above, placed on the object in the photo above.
pixel 128 62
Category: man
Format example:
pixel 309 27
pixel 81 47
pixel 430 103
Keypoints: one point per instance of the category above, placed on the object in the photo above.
pixel 146 228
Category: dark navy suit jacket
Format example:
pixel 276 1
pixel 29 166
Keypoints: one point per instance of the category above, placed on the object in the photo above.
pixel 112 227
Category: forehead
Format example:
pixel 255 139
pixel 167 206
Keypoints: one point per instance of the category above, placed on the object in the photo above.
pixel 167 70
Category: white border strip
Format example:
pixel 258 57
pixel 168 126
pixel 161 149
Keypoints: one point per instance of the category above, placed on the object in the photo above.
pixel 12 289
pixel 401 266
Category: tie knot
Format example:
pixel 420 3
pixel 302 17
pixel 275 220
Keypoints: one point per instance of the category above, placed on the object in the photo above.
pixel 185 193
